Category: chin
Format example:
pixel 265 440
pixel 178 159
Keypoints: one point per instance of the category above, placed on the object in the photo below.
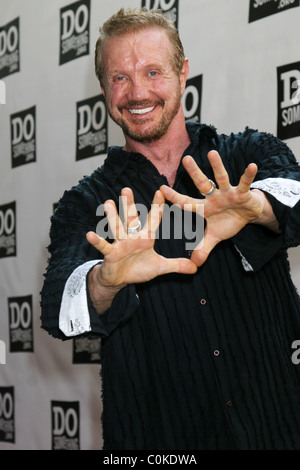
pixel 145 137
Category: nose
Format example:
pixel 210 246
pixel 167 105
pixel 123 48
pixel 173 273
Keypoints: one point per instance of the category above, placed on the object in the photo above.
pixel 137 90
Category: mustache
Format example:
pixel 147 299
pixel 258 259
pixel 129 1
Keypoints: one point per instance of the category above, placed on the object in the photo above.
pixel 140 104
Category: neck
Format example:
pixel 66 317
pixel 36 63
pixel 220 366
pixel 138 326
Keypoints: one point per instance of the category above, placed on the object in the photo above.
pixel 165 154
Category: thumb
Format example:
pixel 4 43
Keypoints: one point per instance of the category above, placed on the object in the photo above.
pixel 177 265
pixel 202 251
pixel 99 243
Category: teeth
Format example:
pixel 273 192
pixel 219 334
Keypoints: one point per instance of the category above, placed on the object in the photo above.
pixel 141 111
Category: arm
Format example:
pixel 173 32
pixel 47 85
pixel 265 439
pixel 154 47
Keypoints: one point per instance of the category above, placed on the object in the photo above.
pixel 66 306
pixel 278 178
pixel 71 257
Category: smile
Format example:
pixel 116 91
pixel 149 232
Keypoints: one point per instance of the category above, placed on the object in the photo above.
pixel 141 111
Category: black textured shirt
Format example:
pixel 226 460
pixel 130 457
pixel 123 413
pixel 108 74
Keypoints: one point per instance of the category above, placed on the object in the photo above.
pixel 199 361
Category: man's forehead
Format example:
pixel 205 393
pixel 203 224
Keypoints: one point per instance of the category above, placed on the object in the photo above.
pixel 143 37
pixel 146 45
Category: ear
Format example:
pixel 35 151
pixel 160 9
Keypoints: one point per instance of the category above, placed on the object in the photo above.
pixel 183 75
pixel 102 89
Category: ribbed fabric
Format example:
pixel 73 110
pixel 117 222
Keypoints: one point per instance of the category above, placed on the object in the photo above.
pixel 200 361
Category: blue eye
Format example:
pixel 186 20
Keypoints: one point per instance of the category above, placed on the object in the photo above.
pixel 153 73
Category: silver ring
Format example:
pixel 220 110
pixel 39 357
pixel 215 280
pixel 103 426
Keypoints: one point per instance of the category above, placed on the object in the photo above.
pixel 134 229
pixel 213 187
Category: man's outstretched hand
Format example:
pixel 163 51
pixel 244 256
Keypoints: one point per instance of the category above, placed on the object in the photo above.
pixel 228 209
pixel 131 258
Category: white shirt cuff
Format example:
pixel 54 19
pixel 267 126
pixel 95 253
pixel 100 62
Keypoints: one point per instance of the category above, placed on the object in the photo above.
pixel 74 317
pixel 285 190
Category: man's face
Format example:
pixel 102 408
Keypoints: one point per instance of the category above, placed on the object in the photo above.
pixel 142 90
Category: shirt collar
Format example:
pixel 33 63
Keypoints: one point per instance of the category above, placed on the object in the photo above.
pixel 118 158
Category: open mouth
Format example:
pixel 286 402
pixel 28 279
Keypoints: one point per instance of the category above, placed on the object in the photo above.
pixel 141 111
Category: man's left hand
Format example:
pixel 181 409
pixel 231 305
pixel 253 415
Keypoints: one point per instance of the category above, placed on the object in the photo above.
pixel 227 209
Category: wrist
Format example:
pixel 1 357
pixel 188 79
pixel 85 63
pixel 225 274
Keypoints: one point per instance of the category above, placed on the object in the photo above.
pixel 261 199
pixel 102 295
pixel 266 217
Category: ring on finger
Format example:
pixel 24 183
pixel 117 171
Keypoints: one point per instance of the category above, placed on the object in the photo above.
pixel 213 187
pixel 134 229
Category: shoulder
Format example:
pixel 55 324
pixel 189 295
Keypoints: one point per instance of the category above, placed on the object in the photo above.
pixel 255 145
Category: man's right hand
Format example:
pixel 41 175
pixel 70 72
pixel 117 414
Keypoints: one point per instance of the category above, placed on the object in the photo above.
pixel 131 258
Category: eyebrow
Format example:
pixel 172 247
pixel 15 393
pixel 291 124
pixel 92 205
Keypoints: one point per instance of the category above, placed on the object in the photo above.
pixel 147 66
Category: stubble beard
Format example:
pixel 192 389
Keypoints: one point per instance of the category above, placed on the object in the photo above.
pixel 148 135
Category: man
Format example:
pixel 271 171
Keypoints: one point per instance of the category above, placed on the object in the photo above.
pixel 196 344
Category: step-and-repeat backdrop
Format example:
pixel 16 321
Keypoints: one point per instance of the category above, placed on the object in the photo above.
pixel 54 129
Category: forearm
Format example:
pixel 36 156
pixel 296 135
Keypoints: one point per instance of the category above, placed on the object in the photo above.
pixel 102 296
pixel 267 217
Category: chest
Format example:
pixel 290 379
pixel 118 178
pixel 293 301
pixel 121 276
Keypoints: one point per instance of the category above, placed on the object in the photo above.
pixel 169 171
